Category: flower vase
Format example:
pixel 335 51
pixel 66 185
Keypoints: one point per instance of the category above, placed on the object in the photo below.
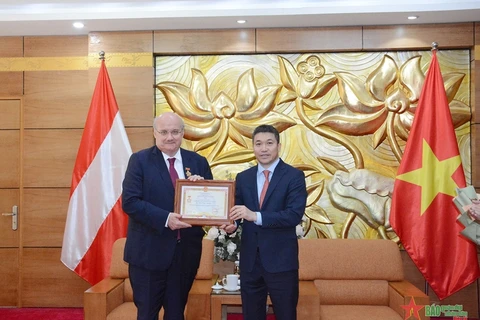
pixel 223 267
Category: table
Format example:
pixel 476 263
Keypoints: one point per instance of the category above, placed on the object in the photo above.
pixel 220 299
pixel 308 307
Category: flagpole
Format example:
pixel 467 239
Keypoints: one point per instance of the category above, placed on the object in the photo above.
pixel 434 49
pixel 478 300
pixel 102 55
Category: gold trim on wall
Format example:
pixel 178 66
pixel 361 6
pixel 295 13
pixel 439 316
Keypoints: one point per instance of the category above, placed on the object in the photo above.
pixel 113 60
pixel 122 60
pixel 43 64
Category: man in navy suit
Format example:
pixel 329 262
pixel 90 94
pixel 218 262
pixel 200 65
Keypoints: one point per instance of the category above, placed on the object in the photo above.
pixel 271 199
pixel 163 252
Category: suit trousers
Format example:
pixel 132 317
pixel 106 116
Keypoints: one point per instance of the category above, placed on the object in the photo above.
pixel 282 287
pixel 154 289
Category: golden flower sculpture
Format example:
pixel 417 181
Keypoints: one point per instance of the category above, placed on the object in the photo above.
pixel 384 105
pixel 305 85
pixel 212 121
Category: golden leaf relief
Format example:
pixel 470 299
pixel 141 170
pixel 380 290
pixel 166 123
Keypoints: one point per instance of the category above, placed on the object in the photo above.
pixel 365 193
pixel 384 104
pixel 212 122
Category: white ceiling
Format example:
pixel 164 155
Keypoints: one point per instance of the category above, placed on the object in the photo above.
pixel 55 17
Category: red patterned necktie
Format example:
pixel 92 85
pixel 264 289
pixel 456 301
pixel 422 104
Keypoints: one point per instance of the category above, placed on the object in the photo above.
pixel 265 186
pixel 173 172
pixel 174 177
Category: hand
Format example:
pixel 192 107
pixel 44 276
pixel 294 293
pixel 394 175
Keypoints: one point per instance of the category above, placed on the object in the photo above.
pixel 229 228
pixel 242 212
pixel 195 177
pixel 174 222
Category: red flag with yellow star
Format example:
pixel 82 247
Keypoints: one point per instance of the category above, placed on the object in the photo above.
pixel 423 214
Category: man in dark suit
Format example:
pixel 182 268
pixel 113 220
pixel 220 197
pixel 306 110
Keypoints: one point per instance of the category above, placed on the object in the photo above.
pixel 163 252
pixel 271 199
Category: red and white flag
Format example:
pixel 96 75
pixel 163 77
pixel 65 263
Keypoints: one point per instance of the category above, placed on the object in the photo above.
pixel 95 218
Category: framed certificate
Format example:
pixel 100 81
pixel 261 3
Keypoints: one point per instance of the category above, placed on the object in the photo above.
pixel 204 202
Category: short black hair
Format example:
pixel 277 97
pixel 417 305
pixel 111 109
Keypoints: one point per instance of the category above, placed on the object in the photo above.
pixel 268 129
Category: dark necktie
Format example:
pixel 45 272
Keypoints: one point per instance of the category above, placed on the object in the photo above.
pixel 265 186
pixel 174 177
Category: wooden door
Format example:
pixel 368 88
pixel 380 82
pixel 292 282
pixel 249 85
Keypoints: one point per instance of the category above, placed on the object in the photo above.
pixel 10 187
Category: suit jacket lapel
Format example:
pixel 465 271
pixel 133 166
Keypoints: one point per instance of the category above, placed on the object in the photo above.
pixel 188 163
pixel 277 176
pixel 160 164
pixel 254 190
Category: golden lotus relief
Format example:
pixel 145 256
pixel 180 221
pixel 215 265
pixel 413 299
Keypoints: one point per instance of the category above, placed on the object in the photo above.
pixel 212 122
pixel 345 129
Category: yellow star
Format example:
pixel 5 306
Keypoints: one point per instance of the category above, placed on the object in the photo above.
pixel 434 176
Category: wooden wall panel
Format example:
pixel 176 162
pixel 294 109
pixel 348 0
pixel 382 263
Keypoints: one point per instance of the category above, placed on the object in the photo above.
pixel 44 216
pixel 56 99
pixel 56 46
pixel 47 282
pixel 133 86
pixel 9 198
pixel 12 82
pixel 117 42
pixel 49 157
pixel 309 40
pixel 10 111
pixel 204 41
pixel 11 47
pixel 134 92
pixel 9 158
pixel 141 138
pixel 418 36
pixel 9 272
pixel 477 33
pixel 411 272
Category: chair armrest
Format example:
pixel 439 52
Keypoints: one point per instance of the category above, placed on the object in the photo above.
pixel 102 298
pixel 400 294
pixel 198 305
pixel 308 301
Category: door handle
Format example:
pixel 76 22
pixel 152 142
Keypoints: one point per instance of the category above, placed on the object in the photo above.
pixel 14 215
